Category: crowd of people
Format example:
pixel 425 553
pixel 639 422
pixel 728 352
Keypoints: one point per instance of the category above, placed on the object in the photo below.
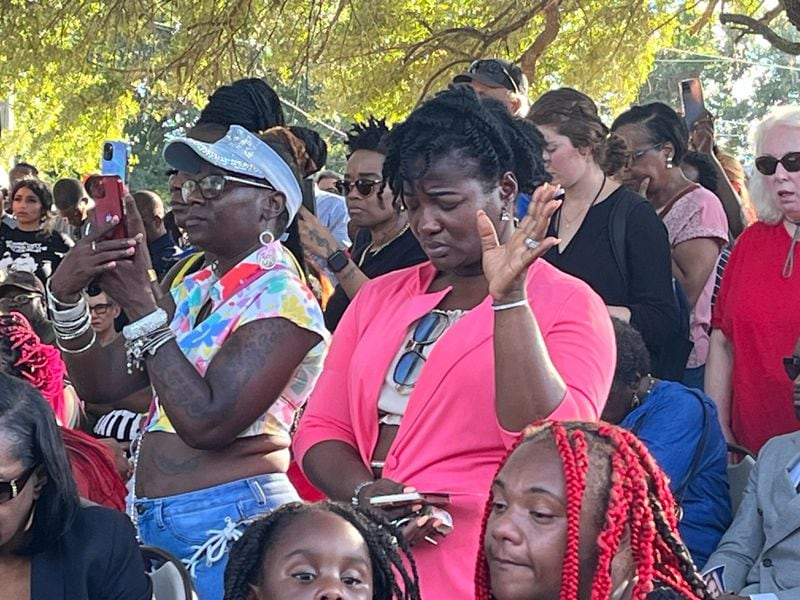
pixel 507 354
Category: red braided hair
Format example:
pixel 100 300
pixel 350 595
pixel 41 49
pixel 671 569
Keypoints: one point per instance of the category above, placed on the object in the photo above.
pixel 24 355
pixel 638 501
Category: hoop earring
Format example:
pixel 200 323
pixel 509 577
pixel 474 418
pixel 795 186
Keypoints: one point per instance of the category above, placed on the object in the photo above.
pixel 261 237
pixel 29 524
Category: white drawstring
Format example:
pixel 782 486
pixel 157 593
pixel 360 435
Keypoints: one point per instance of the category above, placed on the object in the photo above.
pixel 216 545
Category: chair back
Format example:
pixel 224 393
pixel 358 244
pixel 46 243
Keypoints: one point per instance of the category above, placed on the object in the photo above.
pixel 171 580
pixel 738 474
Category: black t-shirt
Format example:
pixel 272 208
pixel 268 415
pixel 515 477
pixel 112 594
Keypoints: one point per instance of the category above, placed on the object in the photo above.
pixel 403 252
pixel 33 251
pixel 590 257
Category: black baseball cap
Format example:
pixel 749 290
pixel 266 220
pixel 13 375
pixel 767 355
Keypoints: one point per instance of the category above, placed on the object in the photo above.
pixel 21 280
pixel 495 72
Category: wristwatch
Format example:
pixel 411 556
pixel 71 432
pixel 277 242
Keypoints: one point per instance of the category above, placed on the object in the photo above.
pixel 338 261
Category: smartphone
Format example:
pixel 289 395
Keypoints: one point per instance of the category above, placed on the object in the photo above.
pixel 309 198
pixel 694 108
pixel 108 193
pixel 115 159
pixel 391 500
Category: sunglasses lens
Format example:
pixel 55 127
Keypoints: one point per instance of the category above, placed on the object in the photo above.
pixel 792 367
pixel 766 165
pixel 342 187
pixel 430 328
pixel 211 186
pixel 407 370
pixel 791 162
pixel 365 187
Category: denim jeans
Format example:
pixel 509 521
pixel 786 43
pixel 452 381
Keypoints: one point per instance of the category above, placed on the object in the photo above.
pixel 198 527
pixel 694 378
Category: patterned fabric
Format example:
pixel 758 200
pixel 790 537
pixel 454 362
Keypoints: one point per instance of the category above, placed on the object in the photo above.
pixel 264 285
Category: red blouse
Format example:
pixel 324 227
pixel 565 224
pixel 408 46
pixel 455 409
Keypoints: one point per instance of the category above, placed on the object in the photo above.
pixel 759 312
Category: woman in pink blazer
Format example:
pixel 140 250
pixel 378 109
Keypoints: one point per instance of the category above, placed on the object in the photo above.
pixel 434 370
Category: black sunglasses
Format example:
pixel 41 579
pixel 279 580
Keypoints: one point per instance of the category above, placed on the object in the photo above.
pixel 11 489
pixel 791 364
pixel 363 186
pixel 492 66
pixel 767 165
pixel 429 329
pixel 211 186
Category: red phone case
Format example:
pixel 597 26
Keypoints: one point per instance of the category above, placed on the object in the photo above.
pixel 108 193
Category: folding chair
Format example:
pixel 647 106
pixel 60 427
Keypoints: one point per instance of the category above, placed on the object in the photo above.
pixel 739 473
pixel 171 580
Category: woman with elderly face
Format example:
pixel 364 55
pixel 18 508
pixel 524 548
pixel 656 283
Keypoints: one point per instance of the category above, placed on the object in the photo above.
pixel 755 320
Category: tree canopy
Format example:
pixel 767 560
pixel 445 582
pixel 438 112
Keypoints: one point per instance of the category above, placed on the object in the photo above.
pixel 78 71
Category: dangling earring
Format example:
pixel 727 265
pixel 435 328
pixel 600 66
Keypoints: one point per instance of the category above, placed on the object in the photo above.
pixel 505 215
pixel 635 401
pixel 669 162
pixel 266 254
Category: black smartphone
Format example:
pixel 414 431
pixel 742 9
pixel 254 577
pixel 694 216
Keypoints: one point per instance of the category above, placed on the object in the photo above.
pixel 309 198
pixel 694 107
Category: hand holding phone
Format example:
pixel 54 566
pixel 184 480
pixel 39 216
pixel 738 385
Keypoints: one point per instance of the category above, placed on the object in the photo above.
pixel 408 499
pixel 694 108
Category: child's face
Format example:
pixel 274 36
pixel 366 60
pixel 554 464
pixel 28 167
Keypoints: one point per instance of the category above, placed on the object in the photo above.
pixel 320 555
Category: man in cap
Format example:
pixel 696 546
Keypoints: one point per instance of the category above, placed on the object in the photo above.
pixel 23 292
pixel 500 79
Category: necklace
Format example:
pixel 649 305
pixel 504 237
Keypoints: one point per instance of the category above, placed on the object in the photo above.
pixel 788 264
pixel 568 222
pixel 636 400
pixel 370 250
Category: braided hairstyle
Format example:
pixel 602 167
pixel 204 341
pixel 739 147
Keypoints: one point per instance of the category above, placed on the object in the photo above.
pixel 23 355
pixel 479 131
pixel 251 103
pixel 370 135
pixel 611 463
pixel 574 115
pixel 389 554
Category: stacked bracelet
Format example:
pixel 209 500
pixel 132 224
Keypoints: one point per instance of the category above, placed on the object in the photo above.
pixel 77 350
pixel 146 325
pixel 70 320
pixel 138 349
pixel 517 304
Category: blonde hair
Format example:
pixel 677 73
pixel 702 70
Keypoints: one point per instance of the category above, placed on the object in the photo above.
pixel 766 205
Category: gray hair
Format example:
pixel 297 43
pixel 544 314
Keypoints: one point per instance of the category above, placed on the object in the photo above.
pixel 766 205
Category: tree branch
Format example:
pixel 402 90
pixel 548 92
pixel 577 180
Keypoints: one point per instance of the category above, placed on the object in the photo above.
pixel 752 26
pixel 548 35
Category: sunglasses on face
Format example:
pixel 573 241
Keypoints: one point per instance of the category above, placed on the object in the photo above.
pixel 791 364
pixel 11 489
pixel 429 329
pixel 212 186
pixel 363 186
pixel 767 165
pixel 100 309
pixel 492 66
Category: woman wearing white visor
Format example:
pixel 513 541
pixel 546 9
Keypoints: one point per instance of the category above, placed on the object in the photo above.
pixel 229 369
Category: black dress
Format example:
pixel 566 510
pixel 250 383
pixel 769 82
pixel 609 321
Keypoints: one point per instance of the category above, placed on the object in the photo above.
pixel 648 292
pixel 403 252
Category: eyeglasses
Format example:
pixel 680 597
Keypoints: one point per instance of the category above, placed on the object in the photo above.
pixel 11 489
pixel 364 187
pixel 791 364
pixel 637 154
pixel 211 186
pixel 21 298
pixel 100 309
pixel 429 329
pixel 767 165
pixel 492 66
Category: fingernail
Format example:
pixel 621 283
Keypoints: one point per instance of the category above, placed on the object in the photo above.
pixel 416 507
pixel 130 251
pixel 111 265
pixel 422 520
pixel 139 237
pixel 115 219
pixel 408 489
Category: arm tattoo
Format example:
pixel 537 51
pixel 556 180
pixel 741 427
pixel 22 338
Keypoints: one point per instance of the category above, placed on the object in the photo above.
pixel 322 242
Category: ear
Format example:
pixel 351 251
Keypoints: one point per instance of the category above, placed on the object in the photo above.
pixel 41 481
pixel 116 311
pixel 668 150
pixel 509 188
pixel 253 593
pixel 273 205
pixel 516 103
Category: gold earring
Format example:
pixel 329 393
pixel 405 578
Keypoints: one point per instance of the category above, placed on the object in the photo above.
pixel 29 524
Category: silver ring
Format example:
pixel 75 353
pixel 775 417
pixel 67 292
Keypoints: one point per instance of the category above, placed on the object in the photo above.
pixel 94 247
pixel 531 243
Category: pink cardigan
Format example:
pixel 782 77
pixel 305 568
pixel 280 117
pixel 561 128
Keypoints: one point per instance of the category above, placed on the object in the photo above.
pixel 449 439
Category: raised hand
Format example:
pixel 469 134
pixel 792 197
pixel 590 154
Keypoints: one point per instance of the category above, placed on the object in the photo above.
pixel 506 265
pixel 315 238
pixel 702 138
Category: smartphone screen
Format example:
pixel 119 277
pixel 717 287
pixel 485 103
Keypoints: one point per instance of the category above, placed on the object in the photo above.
pixel 694 107
pixel 108 193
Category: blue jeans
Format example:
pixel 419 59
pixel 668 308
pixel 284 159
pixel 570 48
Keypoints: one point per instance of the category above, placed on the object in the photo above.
pixel 198 527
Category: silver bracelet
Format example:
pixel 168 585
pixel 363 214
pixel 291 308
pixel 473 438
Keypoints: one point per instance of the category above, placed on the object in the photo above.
pixel 517 304
pixel 79 350
pixel 146 325
pixel 354 499
pixel 52 300
pixel 73 334
pixel 136 351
